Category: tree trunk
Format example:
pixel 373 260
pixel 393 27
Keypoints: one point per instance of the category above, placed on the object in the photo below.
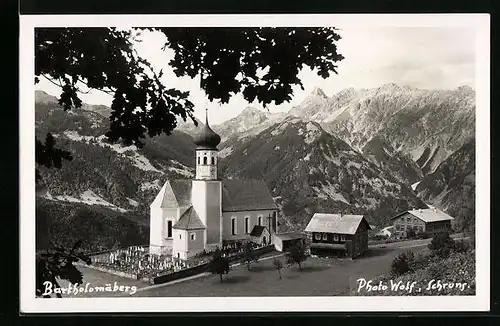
pixel 279 272
pixel 300 267
pixel 248 266
pixel 220 277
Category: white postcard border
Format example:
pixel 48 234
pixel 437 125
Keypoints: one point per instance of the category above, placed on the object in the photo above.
pixel 30 304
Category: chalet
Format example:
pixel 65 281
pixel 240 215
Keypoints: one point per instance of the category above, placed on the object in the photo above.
pixel 430 221
pixel 348 233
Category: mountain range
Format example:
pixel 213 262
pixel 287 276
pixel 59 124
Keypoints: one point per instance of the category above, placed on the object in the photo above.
pixel 368 151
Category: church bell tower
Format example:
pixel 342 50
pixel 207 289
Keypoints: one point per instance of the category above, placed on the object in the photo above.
pixel 206 187
pixel 206 153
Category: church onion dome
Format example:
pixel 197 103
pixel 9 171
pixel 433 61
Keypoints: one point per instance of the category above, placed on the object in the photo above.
pixel 207 138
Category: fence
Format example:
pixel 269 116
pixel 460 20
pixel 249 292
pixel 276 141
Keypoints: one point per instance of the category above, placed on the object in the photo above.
pixel 204 267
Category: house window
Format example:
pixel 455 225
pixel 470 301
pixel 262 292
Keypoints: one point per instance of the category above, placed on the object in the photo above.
pixel 335 237
pixel 213 160
pixel 193 236
pixel 233 226
pixel 317 236
pixel 205 160
pixel 342 237
pixel 325 236
pixel 260 221
pixel 169 229
pixel 247 225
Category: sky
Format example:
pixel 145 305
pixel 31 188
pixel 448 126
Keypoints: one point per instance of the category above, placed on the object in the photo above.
pixel 421 57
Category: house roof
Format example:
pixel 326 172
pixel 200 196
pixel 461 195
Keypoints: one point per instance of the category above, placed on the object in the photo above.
pixel 257 231
pixel 335 223
pixel 289 236
pixel 189 221
pixel 237 195
pixel 427 215
pixel 246 195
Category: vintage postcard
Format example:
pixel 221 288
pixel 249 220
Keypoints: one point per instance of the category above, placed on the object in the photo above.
pixel 185 163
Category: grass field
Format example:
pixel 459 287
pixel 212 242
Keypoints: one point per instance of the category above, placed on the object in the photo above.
pixel 319 277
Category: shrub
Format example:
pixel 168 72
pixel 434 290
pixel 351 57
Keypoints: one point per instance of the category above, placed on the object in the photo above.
pixel 423 235
pixel 410 233
pixel 441 245
pixel 402 264
pixel 461 246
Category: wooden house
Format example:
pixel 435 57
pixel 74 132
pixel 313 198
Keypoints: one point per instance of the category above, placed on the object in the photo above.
pixel 347 233
pixel 431 221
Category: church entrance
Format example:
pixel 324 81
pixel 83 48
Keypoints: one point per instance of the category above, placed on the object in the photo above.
pixel 264 240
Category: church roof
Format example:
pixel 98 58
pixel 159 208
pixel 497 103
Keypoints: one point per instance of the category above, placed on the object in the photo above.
pixel 189 221
pixel 237 195
pixel 173 194
pixel 207 138
pixel 246 195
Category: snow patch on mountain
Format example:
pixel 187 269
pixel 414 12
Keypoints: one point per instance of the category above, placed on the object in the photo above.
pixel 138 160
pixel 88 197
pixel 414 186
pixel 154 185
pixel 226 151
pixel 329 191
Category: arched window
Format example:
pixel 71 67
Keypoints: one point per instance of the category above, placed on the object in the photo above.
pixel 205 160
pixel 198 160
pixel 213 160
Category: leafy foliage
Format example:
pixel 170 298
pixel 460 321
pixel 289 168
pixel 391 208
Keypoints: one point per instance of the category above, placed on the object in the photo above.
pixel 227 60
pixel 48 155
pixel 278 264
pixel 401 264
pixel 249 254
pixel 219 264
pixel 58 264
pixel 442 245
pixel 261 63
pixel 297 254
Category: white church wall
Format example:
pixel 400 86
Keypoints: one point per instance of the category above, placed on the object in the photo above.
pixel 206 198
pixel 179 247
pixel 240 223
pixel 155 227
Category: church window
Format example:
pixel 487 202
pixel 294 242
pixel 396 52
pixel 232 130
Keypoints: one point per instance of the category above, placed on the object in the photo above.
pixel 180 236
pixel 213 160
pixel 325 237
pixel 193 236
pixel 247 225
pixel 260 221
pixel 317 236
pixel 199 161
pixel 233 226
pixel 335 237
pixel 169 229
pixel 205 160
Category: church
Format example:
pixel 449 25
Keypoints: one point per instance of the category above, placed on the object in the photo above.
pixel 190 216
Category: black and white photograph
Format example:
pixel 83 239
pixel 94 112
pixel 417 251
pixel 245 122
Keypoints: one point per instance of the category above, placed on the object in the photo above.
pixel 254 163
